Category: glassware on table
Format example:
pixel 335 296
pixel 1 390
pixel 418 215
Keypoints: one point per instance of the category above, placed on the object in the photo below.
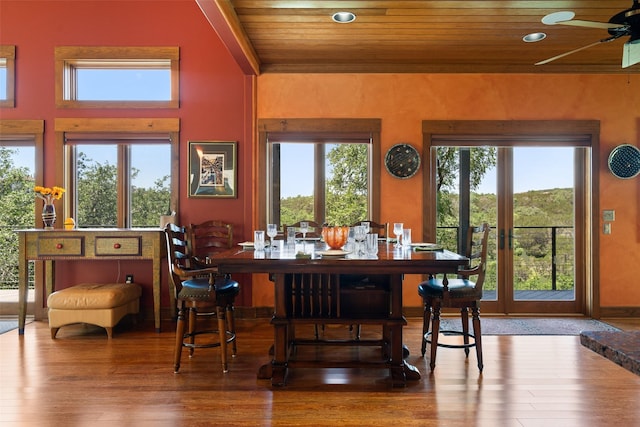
pixel 372 244
pixel 367 226
pixel 406 238
pixel 351 238
pixel 304 229
pixel 258 240
pixel 291 236
pixel 397 230
pixel 272 232
pixel 360 236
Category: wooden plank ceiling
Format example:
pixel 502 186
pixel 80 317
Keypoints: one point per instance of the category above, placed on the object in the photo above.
pixel 414 36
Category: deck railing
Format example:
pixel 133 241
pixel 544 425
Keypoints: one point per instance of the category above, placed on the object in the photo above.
pixel 543 255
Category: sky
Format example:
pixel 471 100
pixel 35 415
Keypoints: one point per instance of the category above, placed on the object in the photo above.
pixel 536 169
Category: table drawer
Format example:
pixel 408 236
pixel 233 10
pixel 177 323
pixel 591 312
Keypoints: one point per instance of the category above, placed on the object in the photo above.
pixel 60 246
pixel 118 246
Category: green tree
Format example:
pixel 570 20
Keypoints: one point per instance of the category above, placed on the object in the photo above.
pixel 297 208
pixel 447 176
pixel 149 203
pixel 17 200
pixel 347 189
pixel 97 193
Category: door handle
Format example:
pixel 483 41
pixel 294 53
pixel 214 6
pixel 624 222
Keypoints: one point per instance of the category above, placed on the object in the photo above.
pixel 510 239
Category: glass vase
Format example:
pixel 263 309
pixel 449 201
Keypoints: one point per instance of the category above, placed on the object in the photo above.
pixel 48 216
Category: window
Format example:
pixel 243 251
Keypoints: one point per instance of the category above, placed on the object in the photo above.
pixel 319 170
pixel 117 77
pixel 119 172
pixel 7 76
pixel 321 181
pixel 21 144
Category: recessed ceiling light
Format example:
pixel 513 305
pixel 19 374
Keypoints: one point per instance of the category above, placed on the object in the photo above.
pixel 343 17
pixel 534 37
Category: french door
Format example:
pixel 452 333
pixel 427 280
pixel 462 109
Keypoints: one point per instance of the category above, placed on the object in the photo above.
pixel 535 196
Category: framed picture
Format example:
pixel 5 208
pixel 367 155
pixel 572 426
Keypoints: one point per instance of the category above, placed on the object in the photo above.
pixel 212 169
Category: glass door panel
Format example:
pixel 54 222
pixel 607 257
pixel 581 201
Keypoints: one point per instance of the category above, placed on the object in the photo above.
pixel 528 196
pixel 542 238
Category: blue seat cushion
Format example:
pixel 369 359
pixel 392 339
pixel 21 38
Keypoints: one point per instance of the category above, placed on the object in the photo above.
pixel 458 288
pixel 199 288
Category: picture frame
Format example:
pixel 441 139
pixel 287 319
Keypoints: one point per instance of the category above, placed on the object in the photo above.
pixel 212 169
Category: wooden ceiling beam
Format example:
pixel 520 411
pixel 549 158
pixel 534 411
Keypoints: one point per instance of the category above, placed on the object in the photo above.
pixel 225 22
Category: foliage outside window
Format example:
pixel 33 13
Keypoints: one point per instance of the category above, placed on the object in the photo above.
pixel 97 184
pixel 7 76
pixel 344 182
pixel 343 169
pixel 119 179
pixel 117 77
pixel 20 140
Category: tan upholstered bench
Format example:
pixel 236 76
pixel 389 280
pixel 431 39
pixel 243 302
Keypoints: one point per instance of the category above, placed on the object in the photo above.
pixel 101 304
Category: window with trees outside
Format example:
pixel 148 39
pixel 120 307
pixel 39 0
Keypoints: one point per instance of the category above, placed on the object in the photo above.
pixel 20 143
pixel 116 177
pixel 117 77
pixel 320 170
pixel 325 182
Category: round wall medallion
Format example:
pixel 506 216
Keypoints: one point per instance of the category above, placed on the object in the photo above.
pixel 402 161
pixel 624 161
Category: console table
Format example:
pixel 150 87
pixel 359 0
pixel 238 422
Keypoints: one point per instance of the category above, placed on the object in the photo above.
pixel 88 244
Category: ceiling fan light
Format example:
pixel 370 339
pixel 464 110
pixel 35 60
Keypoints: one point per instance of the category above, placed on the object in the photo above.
pixel 534 37
pixel 343 17
pixel 555 17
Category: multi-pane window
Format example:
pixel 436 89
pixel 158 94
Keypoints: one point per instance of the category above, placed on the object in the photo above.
pixel 7 76
pixel 117 77
pixel 142 172
pixel 323 170
pixel 324 182
pixel 119 172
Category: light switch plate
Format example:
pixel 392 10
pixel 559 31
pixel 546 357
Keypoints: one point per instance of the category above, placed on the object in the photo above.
pixel 608 215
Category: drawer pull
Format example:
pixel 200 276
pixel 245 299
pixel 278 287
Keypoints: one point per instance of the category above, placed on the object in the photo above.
pixel 59 246
pixel 116 246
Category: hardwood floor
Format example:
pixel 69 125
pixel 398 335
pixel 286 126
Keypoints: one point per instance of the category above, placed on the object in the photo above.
pixel 82 379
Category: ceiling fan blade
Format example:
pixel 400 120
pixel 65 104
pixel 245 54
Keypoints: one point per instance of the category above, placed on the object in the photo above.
pixel 630 54
pixel 546 61
pixel 589 24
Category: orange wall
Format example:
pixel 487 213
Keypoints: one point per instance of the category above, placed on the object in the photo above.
pixel 215 97
pixel 402 101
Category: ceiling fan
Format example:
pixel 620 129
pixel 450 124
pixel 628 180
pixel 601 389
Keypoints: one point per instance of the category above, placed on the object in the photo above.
pixel 625 23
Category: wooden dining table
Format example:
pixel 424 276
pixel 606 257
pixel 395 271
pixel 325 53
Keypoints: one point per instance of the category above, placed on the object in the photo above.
pixel 317 287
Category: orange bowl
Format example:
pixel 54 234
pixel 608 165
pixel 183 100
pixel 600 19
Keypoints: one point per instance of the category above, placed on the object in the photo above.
pixel 335 237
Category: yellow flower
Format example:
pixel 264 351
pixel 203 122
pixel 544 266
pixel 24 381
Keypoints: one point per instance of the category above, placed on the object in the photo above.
pixel 49 194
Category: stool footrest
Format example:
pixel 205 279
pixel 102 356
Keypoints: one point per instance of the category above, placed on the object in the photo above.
pixel 471 344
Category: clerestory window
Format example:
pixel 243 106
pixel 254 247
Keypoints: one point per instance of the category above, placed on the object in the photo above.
pixel 117 77
pixel 7 76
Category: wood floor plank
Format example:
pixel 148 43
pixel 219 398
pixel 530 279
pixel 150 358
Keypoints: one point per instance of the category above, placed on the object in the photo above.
pixel 83 379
